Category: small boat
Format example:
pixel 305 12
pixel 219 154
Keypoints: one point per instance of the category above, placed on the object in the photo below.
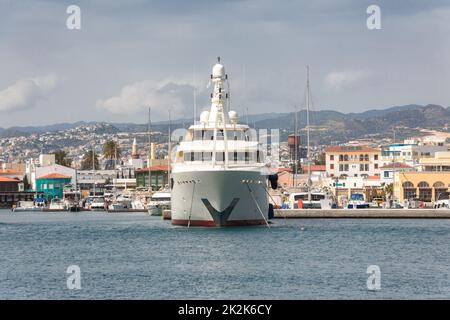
pixel 158 202
pixel 121 202
pixel 357 201
pixel 72 196
pixel 38 204
pixel 443 201
pixel 319 200
pixel 97 204
pixel 57 204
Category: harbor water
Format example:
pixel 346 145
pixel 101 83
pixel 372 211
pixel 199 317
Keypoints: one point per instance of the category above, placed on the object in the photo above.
pixel 134 256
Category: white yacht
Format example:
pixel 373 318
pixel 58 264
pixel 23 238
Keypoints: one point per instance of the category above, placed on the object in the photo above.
pixel 97 203
pixel 158 202
pixel 219 175
pixel 318 200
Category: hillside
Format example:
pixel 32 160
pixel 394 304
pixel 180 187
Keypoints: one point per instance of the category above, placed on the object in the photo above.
pixel 328 126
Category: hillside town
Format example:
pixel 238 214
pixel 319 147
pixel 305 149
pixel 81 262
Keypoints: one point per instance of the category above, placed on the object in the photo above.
pixel 98 159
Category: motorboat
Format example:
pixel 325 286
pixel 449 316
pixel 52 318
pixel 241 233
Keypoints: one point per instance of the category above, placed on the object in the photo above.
pixel 158 202
pixel 357 201
pixel 38 204
pixel 97 203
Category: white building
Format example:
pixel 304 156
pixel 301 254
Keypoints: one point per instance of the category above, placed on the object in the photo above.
pixel 410 154
pixel 352 161
pixel 55 168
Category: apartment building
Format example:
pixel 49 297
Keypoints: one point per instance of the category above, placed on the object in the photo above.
pixel 352 161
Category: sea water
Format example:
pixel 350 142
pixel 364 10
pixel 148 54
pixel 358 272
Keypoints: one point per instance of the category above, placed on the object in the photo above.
pixel 135 256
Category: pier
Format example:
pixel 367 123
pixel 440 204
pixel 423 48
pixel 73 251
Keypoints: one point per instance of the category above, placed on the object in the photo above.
pixel 362 213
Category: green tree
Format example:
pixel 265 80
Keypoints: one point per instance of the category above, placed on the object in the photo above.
pixel 320 160
pixel 62 159
pixel 26 184
pixel 86 163
pixel 388 191
pixel 111 150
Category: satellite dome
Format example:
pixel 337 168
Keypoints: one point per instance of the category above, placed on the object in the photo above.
pixel 233 116
pixel 204 117
pixel 218 70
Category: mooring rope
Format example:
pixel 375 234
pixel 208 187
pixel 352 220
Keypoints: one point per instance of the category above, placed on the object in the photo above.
pixel 192 202
pixel 257 205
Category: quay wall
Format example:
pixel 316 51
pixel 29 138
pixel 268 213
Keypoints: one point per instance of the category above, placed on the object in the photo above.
pixel 363 213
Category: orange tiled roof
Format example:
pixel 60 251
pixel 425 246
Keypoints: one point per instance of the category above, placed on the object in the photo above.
pixel 8 171
pixel 395 165
pixel 155 168
pixel 284 169
pixel 355 149
pixel 315 167
pixel 4 179
pixel 55 176
pixel 373 178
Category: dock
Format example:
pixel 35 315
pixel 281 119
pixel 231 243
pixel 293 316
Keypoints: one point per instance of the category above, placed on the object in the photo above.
pixel 362 213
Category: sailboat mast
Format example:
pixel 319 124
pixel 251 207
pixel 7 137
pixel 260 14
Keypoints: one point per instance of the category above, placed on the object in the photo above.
pixel 295 149
pixel 307 132
pixel 93 166
pixel 169 151
pixel 150 152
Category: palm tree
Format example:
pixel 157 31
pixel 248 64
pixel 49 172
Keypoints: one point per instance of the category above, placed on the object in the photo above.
pixel 388 191
pixel 62 159
pixel 111 150
pixel 86 163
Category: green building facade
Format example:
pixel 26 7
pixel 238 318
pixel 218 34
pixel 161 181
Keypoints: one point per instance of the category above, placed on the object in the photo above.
pixel 158 175
pixel 52 185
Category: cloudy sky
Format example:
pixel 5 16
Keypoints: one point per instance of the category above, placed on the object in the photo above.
pixel 131 54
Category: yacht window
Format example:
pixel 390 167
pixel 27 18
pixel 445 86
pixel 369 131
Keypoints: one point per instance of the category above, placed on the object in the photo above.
pixel 207 156
pixel 300 196
pixel 220 156
pixel 235 135
pixel 197 156
pixel 198 134
pixel 203 135
pixel 187 156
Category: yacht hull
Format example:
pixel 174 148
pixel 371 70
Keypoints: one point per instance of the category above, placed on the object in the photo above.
pixel 219 198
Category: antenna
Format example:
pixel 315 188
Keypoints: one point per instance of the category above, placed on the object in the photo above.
pixel 195 98
pixel 246 109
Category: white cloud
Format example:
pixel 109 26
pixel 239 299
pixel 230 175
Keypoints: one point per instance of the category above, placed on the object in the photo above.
pixel 347 78
pixel 160 96
pixel 26 92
